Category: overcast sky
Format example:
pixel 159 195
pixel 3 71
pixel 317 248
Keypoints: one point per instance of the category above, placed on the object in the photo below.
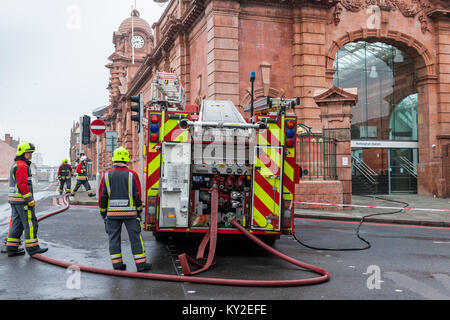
pixel 52 65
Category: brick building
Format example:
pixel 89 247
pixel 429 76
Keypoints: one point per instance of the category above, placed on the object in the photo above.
pixel 375 73
pixel 7 154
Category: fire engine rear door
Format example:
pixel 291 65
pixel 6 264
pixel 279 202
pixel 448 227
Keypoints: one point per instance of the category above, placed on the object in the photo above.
pixel 267 188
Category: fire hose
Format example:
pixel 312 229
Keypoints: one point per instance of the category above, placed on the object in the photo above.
pixel 324 275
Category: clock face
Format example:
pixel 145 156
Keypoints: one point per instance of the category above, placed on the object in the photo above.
pixel 137 42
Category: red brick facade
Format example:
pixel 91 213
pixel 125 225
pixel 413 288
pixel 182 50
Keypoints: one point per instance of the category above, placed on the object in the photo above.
pixel 291 45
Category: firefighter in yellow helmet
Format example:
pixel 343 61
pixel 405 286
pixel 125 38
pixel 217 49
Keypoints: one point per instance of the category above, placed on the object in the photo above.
pixel 120 203
pixel 82 178
pixel 20 197
pixel 64 175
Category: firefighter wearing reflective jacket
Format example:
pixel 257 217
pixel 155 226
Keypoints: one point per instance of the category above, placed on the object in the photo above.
pixel 82 178
pixel 120 203
pixel 64 175
pixel 20 197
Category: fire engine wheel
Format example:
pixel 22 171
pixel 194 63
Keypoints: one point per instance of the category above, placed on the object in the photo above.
pixel 269 239
pixel 161 236
pixel 166 236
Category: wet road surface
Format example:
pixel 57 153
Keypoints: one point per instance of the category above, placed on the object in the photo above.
pixel 403 263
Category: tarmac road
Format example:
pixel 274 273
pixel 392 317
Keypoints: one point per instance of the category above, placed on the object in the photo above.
pixel 405 262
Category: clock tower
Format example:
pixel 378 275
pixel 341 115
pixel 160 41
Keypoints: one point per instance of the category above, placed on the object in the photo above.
pixel 132 41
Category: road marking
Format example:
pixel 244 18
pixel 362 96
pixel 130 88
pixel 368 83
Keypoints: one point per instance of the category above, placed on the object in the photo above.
pixel 441 242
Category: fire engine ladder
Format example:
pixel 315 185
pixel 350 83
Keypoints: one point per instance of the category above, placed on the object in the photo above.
pixel 167 90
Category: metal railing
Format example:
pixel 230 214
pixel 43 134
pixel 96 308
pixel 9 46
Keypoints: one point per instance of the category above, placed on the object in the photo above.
pixel 366 171
pixel 408 166
pixel 317 155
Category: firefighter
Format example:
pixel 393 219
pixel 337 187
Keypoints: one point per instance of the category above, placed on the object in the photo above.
pixel 64 175
pixel 20 197
pixel 82 178
pixel 120 203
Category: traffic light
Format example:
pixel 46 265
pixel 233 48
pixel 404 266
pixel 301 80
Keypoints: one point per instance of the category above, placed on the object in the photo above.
pixel 86 130
pixel 138 108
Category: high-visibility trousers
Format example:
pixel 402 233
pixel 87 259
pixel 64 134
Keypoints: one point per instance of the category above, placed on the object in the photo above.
pixel 113 228
pixel 23 219
pixel 63 182
pixel 85 184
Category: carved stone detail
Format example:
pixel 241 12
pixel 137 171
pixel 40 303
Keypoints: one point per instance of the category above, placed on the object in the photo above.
pixel 409 8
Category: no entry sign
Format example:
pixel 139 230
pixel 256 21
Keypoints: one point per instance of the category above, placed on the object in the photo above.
pixel 98 127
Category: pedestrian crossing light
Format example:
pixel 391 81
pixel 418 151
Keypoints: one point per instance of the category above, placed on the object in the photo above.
pixel 138 108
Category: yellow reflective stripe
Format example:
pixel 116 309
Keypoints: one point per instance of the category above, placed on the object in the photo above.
pixel 260 219
pixel 268 200
pixel 103 210
pixel 108 188
pixel 30 225
pixel 139 256
pixel 169 125
pixel 31 240
pixel 15 195
pixel 273 154
pixel 115 256
pixel 13 240
pixel 121 209
pixel 289 172
pixel 154 165
pixel 153 190
pixel 130 188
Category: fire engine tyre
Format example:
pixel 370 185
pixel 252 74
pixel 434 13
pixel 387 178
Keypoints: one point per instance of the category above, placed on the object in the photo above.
pixel 166 236
pixel 324 275
pixel 269 239
pixel 161 236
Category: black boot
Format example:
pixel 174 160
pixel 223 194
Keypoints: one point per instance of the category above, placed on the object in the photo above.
pixel 123 267
pixel 144 267
pixel 19 252
pixel 39 250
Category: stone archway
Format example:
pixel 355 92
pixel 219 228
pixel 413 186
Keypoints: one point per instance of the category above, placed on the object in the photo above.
pixel 427 85
pixel 423 60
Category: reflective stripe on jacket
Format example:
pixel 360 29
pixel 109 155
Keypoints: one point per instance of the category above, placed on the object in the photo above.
pixel 120 193
pixel 65 170
pixel 82 171
pixel 20 182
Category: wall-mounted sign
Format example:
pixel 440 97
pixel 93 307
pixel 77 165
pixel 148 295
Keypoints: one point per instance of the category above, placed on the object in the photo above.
pixel 384 144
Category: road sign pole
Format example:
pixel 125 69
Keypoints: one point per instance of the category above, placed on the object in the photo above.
pixel 141 147
pixel 98 127
pixel 97 176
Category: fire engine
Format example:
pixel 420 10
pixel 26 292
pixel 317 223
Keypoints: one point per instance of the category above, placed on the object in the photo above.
pixel 207 166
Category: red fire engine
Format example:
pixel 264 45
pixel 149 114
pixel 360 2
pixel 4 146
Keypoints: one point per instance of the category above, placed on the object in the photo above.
pixel 207 166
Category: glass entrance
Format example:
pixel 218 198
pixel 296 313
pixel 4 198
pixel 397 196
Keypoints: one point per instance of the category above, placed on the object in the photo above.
pixel 403 170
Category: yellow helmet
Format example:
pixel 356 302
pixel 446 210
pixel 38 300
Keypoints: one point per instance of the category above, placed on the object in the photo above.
pixel 121 154
pixel 24 147
pixel 65 160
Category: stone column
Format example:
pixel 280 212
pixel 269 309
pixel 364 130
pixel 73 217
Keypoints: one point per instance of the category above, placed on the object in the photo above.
pixel 336 113
pixel 442 31
pixel 222 27
pixel 309 27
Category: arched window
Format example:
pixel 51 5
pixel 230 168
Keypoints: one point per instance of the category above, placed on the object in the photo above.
pixel 387 92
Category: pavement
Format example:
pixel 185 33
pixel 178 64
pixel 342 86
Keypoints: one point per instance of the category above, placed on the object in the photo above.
pixel 409 217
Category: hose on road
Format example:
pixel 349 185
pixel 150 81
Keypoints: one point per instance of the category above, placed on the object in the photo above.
pixel 324 275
